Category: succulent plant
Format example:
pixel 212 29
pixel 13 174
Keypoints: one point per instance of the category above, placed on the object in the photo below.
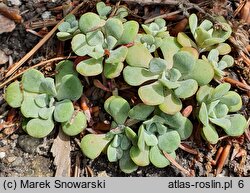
pixel 160 133
pixel 155 33
pixel 104 41
pixel 68 28
pixel 207 35
pixel 219 64
pixel 43 101
pixel 103 10
pixel 170 82
pixel 215 106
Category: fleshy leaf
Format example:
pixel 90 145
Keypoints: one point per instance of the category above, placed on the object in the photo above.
pixel 223 48
pixel 119 109
pixel 238 125
pixel 193 22
pixel 126 164
pixel 131 135
pixel 92 145
pixel 210 134
pixel 114 154
pixel 90 67
pixel 39 128
pixel 42 100
pixel 94 38
pixel 29 109
pixel 102 9
pixel 125 143
pixel 169 48
pixel 203 114
pixel 158 65
pixel 185 41
pixel 31 80
pixel 169 141
pixel 232 100
pixel 130 31
pixel 203 93
pixel 142 58
pixel 152 94
pixel 186 89
pixel 228 59
pixel 157 158
pixel 70 88
pixel 79 45
pixel 150 139
pixel 171 103
pixel 221 110
pixel 14 95
pixel 63 110
pixel 76 125
pixel 140 158
pixel 46 113
pixel 88 22
pixel 48 86
pixel 203 72
pixel 117 55
pixel 112 70
pixel 184 62
pixel 220 91
pixel 63 68
pixel 114 27
pixel 140 111
pixel 222 122
pixel 141 138
pixel 135 76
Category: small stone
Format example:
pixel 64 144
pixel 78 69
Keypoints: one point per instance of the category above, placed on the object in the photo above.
pixel 3 57
pixel 28 144
pixel 18 161
pixel 6 25
pixel 2 155
pixel 46 15
pixel 11 159
pixel 15 2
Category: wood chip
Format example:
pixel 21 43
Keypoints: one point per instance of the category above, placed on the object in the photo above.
pixel 6 25
pixel 61 151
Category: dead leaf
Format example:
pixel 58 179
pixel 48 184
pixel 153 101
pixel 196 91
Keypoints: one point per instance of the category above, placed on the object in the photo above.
pixel 6 25
pixel 61 151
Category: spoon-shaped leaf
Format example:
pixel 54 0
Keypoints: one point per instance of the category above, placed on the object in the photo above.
pixel 140 111
pixel 76 125
pixel 88 22
pixel 79 45
pixel 142 58
pixel 203 114
pixel 184 62
pixel 46 113
pixel 152 94
pixel 117 55
pixel 29 108
pixel 126 164
pixel 31 80
pixel 114 27
pixel 210 134
pixel 171 103
pixel 140 158
pixel 39 128
pixel 70 88
pixel 63 110
pixel 186 89
pixel 130 30
pixel 135 76
pixel 238 125
pixel 94 38
pixel 157 158
pixel 14 95
pixel 92 145
pixel 169 141
pixel 48 86
pixel 169 48
pixel 112 70
pixel 114 154
pixel 232 100
pixel 90 67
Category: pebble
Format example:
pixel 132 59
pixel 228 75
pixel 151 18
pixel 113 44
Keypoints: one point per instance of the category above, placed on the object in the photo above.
pixel 6 25
pixel 46 15
pixel 2 155
pixel 11 159
pixel 18 161
pixel 3 57
pixel 14 2
pixel 28 144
